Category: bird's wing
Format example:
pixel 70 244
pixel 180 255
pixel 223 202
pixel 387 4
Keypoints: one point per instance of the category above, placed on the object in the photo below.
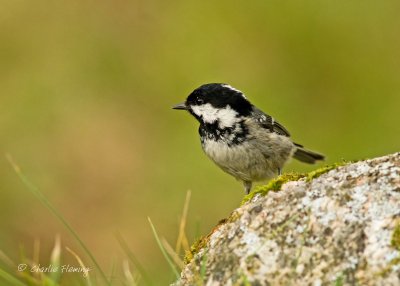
pixel 268 122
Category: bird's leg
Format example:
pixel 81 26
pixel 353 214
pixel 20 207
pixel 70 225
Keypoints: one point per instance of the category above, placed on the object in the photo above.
pixel 279 171
pixel 247 186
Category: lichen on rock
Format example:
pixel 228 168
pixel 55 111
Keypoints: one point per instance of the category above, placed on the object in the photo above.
pixel 341 227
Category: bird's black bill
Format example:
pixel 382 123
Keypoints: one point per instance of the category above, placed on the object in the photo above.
pixel 181 106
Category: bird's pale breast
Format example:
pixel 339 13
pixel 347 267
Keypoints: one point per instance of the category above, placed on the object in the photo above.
pixel 257 158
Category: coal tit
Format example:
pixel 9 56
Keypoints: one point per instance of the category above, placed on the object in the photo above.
pixel 241 139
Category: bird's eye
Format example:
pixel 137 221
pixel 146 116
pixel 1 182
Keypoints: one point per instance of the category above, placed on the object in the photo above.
pixel 199 101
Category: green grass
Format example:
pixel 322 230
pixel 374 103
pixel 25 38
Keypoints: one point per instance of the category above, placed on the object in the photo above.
pixel 164 252
pixel 10 278
pixel 38 194
pixel 132 258
pixel 23 273
pixel 53 278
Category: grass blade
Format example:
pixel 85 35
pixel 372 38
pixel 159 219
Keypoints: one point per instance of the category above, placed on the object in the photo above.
pixel 171 264
pixel 182 239
pixel 55 260
pixel 130 280
pixel 36 192
pixel 6 259
pixel 133 259
pixel 10 279
pixel 203 267
pixel 36 254
pixel 86 273
pixel 112 275
pixel 175 257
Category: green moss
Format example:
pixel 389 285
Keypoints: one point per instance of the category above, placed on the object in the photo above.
pixel 325 169
pixel 195 248
pixel 388 269
pixel 233 217
pixel 202 241
pixel 243 281
pixel 395 242
pixel 276 184
pixel 273 185
pixel 339 280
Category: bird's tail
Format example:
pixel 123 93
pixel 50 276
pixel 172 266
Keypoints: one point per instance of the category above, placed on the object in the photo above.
pixel 307 156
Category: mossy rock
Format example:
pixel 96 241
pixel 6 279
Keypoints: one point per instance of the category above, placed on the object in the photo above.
pixel 276 184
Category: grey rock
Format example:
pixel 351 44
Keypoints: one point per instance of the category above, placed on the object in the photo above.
pixel 336 229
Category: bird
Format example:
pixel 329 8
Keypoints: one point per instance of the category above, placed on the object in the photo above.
pixel 239 138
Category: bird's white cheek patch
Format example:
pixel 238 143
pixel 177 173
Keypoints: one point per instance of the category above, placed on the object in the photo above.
pixel 206 112
pixel 226 117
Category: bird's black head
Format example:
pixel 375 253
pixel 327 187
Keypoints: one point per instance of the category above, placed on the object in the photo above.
pixel 217 102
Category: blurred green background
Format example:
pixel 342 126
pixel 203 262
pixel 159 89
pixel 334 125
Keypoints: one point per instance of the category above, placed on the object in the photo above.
pixel 86 93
